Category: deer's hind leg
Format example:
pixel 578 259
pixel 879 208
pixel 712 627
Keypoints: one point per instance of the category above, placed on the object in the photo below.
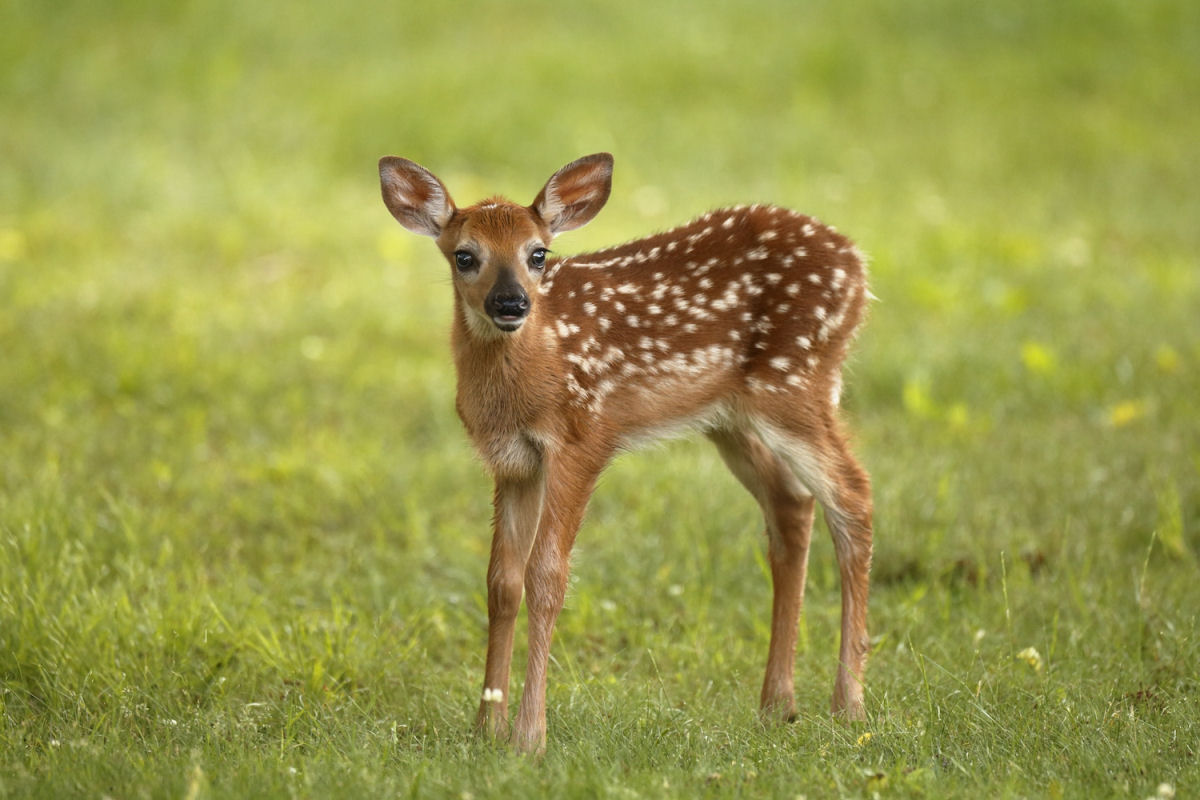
pixel 788 510
pixel 821 459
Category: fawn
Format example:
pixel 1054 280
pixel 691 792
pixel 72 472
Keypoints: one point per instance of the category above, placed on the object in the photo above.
pixel 734 325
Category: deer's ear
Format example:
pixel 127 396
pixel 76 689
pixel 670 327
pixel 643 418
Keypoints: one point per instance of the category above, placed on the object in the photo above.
pixel 414 195
pixel 575 193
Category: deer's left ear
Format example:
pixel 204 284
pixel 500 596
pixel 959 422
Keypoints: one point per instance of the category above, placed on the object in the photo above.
pixel 575 193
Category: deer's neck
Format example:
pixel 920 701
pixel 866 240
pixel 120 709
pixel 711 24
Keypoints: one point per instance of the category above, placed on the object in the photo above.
pixel 509 393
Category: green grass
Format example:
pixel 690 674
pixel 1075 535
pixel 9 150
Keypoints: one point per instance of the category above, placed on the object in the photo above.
pixel 242 538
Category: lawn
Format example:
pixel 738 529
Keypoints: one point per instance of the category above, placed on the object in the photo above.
pixel 243 537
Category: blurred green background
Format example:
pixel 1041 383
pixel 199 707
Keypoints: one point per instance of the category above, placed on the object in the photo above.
pixel 242 538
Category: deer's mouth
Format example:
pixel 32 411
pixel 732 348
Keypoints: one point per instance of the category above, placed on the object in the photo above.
pixel 508 322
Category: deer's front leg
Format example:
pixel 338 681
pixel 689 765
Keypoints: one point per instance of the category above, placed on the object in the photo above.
pixel 570 479
pixel 518 509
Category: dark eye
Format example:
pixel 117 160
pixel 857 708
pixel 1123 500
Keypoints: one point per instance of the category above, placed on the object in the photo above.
pixel 464 260
pixel 537 259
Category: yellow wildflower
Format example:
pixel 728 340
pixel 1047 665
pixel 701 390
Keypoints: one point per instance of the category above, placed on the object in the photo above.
pixel 1032 657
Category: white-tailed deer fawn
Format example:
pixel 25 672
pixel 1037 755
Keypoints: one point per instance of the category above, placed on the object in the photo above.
pixel 734 325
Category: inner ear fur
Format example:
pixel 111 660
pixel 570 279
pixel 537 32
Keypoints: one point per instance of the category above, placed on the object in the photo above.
pixel 415 196
pixel 575 193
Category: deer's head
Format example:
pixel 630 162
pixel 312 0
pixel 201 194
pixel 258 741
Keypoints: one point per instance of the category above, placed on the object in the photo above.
pixel 497 250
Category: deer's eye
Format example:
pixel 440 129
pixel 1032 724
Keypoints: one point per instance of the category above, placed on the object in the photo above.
pixel 464 261
pixel 537 259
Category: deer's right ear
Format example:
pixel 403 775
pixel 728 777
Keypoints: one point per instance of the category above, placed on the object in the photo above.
pixel 414 195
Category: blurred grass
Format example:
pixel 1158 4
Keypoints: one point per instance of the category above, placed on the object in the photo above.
pixel 242 537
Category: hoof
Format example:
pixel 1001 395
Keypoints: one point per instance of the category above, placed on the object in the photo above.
pixel 850 712
pixel 777 713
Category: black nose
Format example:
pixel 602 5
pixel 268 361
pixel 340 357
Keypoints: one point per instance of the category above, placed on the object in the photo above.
pixel 511 305
pixel 507 303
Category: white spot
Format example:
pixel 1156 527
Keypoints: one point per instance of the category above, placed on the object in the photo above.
pixel 671 319
pixel 627 288
pixel 819 312
pixel 706 283
pixel 758 254
pixel 804 342
pixel 793 289
pixel 795 380
pixel 814 279
pixel 757 384
pixel 561 327
pixel 619 306
pixel 575 387
pixel 589 309
pixel 584 364
pixel 768 235
pixel 653 309
pixel 631 321
pixel 781 363
pixel 604 323
pixel 808 229
pixel 645 343
pixel 728 223
pixel 782 308
pixel 774 278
